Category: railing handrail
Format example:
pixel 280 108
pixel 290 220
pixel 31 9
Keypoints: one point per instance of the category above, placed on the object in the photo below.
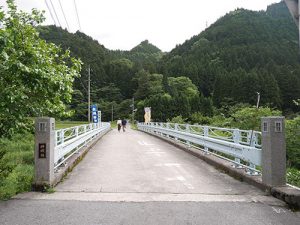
pixel 256 135
pixel 241 144
pixel 65 145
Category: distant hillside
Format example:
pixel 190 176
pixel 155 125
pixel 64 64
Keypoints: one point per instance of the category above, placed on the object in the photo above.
pixel 107 66
pixel 82 46
pixel 145 47
pixel 112 72
pixel 144 56
pixel 242 53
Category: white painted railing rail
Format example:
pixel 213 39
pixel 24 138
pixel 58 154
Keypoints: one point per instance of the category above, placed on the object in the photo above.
pixel 69 140
pixel 243 145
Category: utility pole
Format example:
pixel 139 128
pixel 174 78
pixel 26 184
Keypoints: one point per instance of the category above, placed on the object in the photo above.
pixel 258 99
pixel 132 110
pixel 112 112
pixel 89 94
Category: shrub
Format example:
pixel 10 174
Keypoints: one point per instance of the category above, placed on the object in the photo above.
pixel 177 119
pixel 16 165
pixel 293 142
pixel 200 119
pixel 293 176
pixel 249 118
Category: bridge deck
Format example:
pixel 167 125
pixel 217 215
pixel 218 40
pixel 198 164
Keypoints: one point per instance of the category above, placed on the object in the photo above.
pixel 134 178
pixel 134 162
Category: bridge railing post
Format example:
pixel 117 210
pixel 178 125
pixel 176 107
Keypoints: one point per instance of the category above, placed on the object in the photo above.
pixel 168 127
pixel 76 131
pixel 187 128
pixel 161 126
pixel 273 151
pixel 176 128
pixel 44 151
pixel 205 134
pixel 236 139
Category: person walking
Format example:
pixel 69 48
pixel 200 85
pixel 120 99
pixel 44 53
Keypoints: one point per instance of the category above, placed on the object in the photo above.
pixel 119 123
pixel 124 124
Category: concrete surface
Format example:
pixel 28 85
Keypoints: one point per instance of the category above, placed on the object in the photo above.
pixel 135 178
pixel 287 193
pixel 133 162
pixel 37 212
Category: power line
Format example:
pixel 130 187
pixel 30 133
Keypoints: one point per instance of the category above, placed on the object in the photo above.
pixel 77 15
pixel 55 13
pixel 64 14
pixel 50 12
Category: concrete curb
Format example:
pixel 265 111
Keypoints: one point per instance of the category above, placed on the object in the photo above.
pixel 286 193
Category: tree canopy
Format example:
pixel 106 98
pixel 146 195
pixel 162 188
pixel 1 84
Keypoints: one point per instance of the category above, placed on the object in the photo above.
pixel 36 77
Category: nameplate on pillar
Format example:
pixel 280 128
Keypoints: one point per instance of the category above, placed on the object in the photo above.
pixel 42 150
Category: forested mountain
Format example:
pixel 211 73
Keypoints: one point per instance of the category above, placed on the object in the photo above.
pixel 112 72
pixel 145 56
pixel 244 52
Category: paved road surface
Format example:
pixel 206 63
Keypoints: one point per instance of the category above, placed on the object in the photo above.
pixel 134 178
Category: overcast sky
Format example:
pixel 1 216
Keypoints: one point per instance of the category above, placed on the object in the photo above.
pixel 122 24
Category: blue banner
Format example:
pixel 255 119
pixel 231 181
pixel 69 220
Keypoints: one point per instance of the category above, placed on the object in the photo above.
pixel 94 112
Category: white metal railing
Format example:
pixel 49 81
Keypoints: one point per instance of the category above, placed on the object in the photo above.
pixel 69 140
pixel 242 145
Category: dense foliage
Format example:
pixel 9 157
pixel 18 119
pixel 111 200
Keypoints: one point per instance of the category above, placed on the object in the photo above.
pixel 36 77
pixel 112 72
pixel 16 165
pixel 244 52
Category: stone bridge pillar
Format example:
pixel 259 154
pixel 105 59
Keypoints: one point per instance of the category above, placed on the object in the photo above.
pixel 44 151
pixel 273 151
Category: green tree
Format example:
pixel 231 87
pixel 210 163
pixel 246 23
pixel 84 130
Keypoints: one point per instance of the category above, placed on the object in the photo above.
pixel 121 73
pixel 148 84
pixel 110 93
pixel 249 118
pixel 35 77
pixel 184 93
pixel 182 86
pixel 293 142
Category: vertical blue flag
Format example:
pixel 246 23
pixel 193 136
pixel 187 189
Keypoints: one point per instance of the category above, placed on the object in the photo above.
pixel 94 112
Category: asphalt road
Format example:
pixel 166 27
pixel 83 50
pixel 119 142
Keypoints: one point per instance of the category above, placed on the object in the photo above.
pixel 20 212
pixel 134 178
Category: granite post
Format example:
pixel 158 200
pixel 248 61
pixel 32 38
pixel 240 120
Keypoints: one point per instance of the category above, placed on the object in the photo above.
pixel 273 151
pixel 44 151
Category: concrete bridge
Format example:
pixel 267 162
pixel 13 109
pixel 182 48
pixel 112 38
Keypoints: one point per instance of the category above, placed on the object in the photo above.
pixel 135 178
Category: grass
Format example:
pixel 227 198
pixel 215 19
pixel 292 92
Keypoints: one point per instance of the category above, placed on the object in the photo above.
pixel 133 126
pixel 293 176
pixel 50 190
pixel 16 165
pixel 113 124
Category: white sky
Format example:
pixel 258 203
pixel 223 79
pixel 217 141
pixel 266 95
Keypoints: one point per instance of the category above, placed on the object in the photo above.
pixel 122 24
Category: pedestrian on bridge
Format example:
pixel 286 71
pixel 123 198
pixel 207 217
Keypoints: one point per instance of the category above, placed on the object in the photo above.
pixel 119 123
pixel 124 122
